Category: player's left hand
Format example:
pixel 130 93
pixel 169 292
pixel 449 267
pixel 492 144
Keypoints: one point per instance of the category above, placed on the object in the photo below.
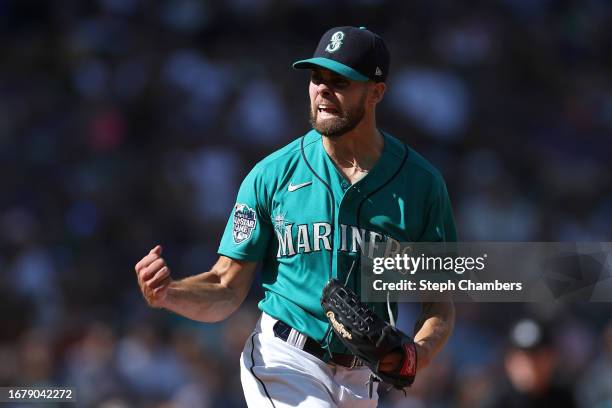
pixel 387 351
pixel 391 362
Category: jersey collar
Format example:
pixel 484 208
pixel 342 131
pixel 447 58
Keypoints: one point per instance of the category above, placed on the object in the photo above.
pixel 388 165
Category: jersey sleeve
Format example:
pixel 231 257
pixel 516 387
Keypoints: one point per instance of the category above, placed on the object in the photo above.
pixel 440 224
pixel 248 230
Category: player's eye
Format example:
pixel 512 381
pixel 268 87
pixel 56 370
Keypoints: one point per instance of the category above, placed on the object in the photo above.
pixel 336 82
pixel 340 83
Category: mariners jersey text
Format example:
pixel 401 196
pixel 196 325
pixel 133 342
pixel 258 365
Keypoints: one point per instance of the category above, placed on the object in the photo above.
pixel 304 238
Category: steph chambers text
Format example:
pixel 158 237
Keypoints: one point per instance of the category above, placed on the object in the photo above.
pixel 449 285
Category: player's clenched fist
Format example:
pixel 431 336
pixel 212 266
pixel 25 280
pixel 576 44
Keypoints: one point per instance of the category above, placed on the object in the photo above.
pixel 153 277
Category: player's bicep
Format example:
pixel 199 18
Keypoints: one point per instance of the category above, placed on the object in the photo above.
pixel 236 275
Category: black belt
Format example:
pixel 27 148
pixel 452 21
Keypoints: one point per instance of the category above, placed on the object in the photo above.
pixel 311 346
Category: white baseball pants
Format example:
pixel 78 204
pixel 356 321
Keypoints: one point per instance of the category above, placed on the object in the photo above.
pixel 277 374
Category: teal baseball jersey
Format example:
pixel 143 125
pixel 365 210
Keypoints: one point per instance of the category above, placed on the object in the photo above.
pixel 305 222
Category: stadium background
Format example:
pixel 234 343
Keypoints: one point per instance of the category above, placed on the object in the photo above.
pixel 126 123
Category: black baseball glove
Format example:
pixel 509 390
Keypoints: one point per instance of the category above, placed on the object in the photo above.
pixel 366 335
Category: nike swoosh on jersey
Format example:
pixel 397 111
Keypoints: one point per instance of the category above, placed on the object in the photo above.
pixel 292 187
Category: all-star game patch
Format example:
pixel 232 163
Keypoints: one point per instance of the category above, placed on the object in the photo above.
pixel 244 222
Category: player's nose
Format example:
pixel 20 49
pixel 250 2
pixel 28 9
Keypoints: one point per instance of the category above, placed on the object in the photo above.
pixel 323 89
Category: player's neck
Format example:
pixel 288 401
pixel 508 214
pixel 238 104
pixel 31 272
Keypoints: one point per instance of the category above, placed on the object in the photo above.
pixel 356 151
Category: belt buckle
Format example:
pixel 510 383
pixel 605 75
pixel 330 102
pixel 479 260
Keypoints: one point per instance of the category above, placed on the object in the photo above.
pixel 354 362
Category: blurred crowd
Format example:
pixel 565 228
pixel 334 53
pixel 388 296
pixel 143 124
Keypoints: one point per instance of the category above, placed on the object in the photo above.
pixel 126 123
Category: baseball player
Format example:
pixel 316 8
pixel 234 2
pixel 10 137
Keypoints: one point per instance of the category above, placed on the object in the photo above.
pixel 305 212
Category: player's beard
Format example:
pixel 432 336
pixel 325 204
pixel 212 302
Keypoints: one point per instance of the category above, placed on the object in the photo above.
pixel 342 123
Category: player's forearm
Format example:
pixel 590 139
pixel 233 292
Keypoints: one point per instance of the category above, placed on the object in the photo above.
pixel 433 329
pixel 203 298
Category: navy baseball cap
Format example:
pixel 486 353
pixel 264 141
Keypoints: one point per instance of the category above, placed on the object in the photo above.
pixel 354 52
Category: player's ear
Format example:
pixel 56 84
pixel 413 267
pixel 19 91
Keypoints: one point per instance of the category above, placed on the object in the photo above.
pixel 378 91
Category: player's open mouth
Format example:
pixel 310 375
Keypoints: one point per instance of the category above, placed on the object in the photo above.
pixel 327 109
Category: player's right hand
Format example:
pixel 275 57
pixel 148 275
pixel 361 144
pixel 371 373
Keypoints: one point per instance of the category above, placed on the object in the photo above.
pixel 153 277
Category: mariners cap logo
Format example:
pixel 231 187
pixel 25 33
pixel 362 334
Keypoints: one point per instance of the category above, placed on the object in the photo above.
pixel 244 223
pixel 335 42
